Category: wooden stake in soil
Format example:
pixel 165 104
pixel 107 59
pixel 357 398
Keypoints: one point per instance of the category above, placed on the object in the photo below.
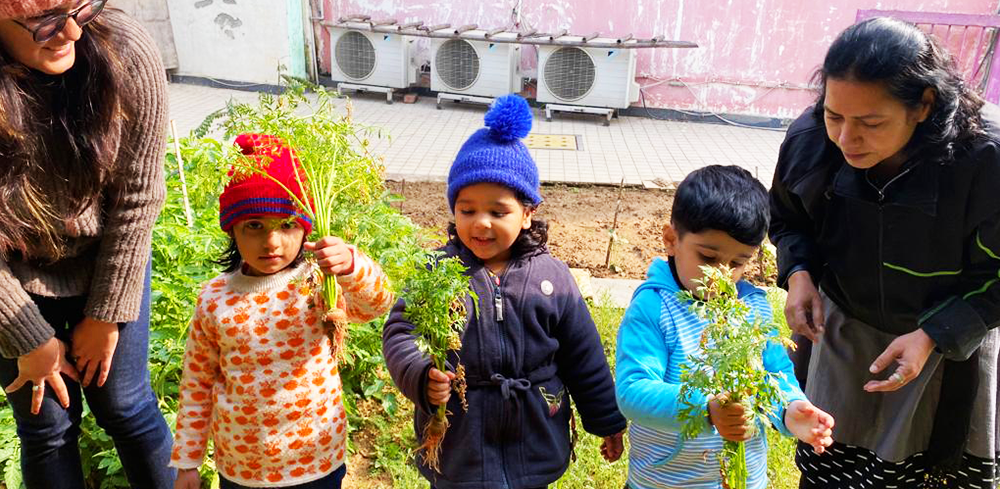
pixel 402 194
pixel 180 169
pixel 614 225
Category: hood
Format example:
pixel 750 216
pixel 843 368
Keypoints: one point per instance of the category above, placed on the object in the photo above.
pixel 660 276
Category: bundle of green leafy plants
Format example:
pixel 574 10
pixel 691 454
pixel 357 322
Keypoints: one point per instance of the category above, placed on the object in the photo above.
pixel 435 306
pixel 730 366
pixel 359 209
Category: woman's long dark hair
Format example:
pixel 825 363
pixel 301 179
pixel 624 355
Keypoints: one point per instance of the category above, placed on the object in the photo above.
pixel 59 138
pixel 531 239
pixel 906 61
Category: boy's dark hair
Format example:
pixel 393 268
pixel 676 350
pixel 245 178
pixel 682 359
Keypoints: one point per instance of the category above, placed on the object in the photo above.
pixel 231 260
pixel 531 239
pixel 724 198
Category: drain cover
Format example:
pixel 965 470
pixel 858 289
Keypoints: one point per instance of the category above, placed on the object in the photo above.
pixel 552 141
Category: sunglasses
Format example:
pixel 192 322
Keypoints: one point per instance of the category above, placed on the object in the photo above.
pixel 50 26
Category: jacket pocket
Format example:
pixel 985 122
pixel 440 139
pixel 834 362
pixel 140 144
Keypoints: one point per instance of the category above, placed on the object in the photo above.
pixel 546 433
pixel 660 454
pixel 672 451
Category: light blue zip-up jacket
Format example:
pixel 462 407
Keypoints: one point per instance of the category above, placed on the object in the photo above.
pixel 657 335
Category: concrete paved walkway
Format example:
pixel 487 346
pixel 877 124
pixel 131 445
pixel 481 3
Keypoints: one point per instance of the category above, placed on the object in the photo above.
pixel 637 149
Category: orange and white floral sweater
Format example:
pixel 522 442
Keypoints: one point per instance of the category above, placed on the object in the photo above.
pixel 259 377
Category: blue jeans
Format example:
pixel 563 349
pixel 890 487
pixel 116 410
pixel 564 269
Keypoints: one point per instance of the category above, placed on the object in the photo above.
pixel 124 407
pixel 331 481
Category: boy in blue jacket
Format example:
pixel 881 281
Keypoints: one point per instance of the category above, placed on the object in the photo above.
pixel 719 217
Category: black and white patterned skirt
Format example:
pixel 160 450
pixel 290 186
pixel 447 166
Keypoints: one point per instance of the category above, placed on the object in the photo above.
pixel 849 467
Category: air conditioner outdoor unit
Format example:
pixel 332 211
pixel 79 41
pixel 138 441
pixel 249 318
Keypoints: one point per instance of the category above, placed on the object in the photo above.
pixel 584 79
pixel 476 67
pixel 370 61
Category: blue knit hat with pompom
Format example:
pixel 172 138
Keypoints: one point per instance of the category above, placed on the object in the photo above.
pixel 495 153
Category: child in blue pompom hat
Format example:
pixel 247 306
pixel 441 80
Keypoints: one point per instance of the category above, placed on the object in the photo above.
pixel 530 343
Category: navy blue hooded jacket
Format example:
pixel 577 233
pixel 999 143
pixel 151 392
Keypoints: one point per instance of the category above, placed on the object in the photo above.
pixel 521 361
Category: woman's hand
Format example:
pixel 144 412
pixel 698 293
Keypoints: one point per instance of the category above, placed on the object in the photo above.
pixel 612 447
pixel 332 255
pixel 94 344
pixel 810 424
pixel 804 307
pixel 910 351
pixel 729 419
pixel 439 386
pixel 188 479
pixel 41 366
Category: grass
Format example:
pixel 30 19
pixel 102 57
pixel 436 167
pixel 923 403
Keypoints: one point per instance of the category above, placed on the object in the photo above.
pixel 590 469
pixel 781 470
pixel 386 442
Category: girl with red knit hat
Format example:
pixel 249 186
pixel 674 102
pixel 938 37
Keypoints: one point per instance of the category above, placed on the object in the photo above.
pixel 258 374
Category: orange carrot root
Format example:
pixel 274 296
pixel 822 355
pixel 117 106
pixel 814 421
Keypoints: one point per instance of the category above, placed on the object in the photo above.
pixel 335 327
pixel 433 437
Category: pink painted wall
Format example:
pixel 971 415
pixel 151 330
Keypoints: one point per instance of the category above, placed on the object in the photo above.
pixel 756 57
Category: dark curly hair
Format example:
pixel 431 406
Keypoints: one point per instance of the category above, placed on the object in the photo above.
pixel 907 61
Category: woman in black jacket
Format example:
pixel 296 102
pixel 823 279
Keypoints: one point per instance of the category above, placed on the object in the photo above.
pixel 886 214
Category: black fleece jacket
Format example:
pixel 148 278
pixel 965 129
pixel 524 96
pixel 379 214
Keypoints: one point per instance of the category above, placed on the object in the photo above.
pixel 920 251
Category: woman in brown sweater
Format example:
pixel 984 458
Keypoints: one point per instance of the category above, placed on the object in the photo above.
pixel 82 113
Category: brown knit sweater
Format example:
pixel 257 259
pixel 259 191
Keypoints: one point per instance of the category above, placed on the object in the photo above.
pixel 109 244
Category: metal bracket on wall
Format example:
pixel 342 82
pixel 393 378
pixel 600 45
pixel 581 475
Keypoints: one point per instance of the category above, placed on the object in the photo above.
pixel 472 31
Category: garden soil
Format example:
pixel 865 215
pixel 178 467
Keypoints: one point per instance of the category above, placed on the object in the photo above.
pixel 580 221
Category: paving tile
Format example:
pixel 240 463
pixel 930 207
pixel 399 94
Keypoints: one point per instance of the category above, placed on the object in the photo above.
pixel 425 140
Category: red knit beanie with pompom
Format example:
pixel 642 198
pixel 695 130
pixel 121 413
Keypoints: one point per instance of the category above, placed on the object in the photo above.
pixel 250 195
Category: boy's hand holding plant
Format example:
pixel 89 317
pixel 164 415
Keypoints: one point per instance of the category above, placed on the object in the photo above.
pixel 729 419
pixel 730 367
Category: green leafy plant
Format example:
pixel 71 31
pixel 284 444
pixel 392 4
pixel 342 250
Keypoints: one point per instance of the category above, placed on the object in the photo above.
pixel 767 259
pixel 10 450
pixel 435 306
pixel 730 366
